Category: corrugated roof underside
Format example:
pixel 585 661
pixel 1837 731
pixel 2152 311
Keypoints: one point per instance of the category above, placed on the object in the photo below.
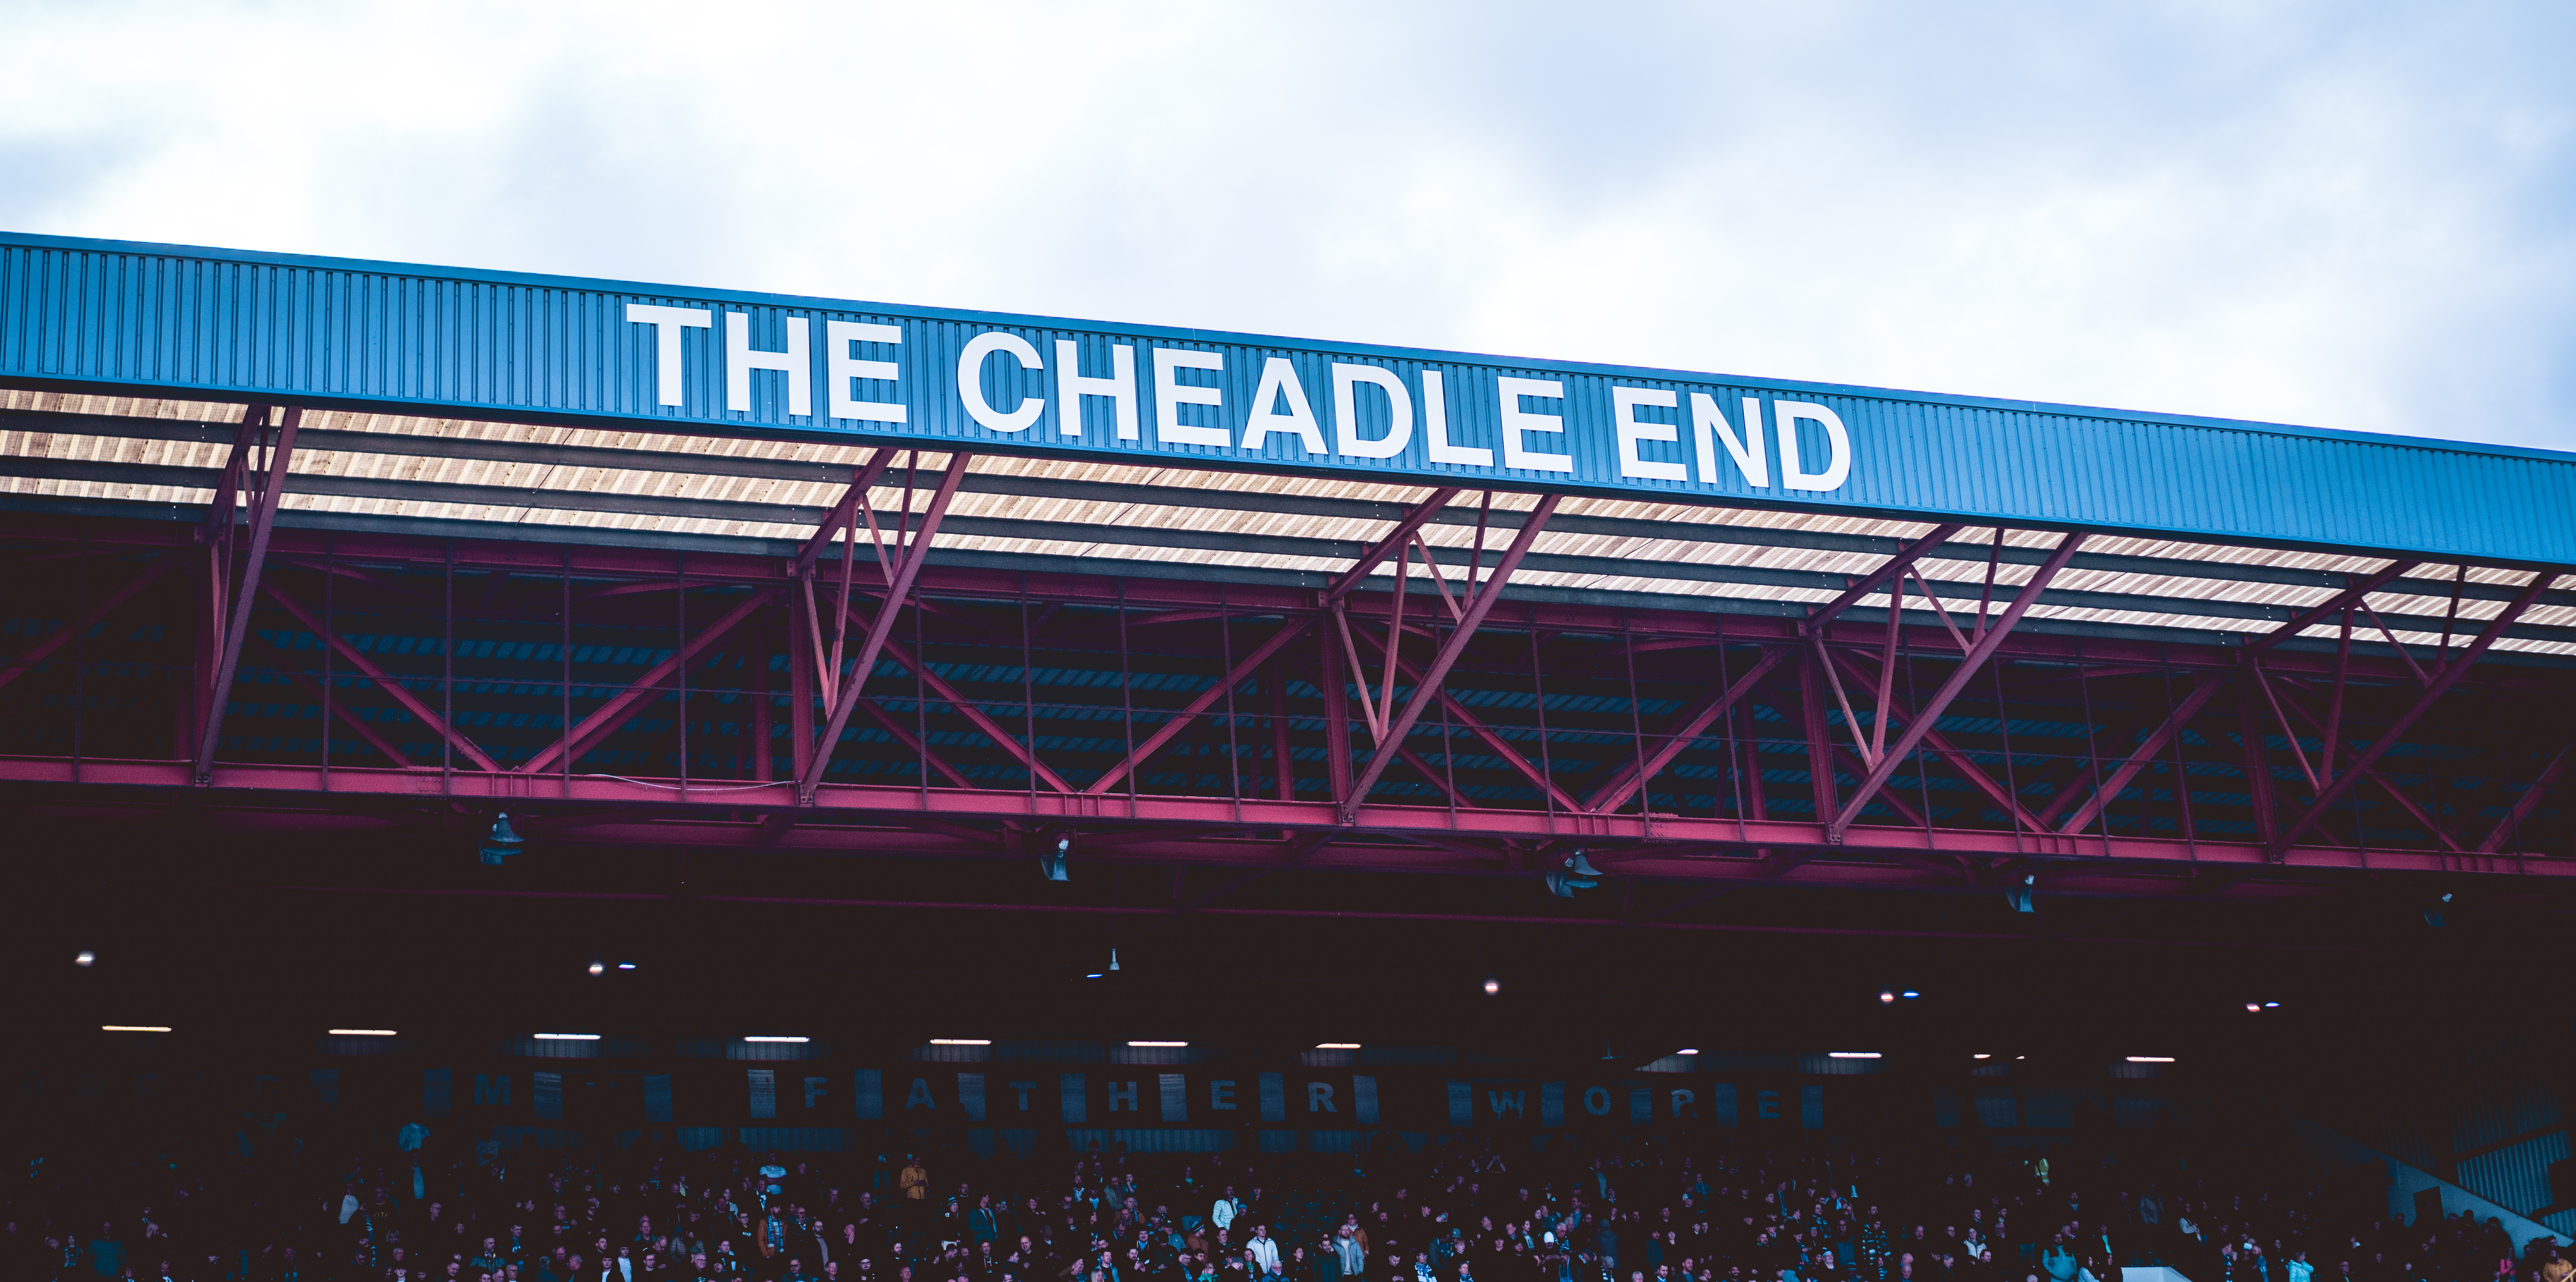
pixel 606 484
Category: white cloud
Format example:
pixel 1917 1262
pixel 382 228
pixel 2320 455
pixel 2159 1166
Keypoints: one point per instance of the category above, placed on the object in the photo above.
pixel 2338 216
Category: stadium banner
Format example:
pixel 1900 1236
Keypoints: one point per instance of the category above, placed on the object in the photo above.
pixel 229 326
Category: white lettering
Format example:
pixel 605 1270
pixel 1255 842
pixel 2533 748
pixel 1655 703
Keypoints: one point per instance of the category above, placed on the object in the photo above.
pixel 1435 426
pixel 1346 419
pixel 1170 394
pixel 1624 402
pixel 838 337
pixel 667 322
pixel 1279 383
pixel 740 360
pixel 1784 417
pixel 1516 421
pixel 1071 385
pixel 1709 426
pixel 970 381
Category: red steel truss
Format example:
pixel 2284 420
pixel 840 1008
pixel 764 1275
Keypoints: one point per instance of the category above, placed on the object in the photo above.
pixel 1408 716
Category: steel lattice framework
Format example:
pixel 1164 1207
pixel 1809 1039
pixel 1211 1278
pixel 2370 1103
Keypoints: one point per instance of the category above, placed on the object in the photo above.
pixel 1410 712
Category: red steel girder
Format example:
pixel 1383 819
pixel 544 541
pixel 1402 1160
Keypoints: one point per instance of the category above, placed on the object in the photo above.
pixel 1437 671
pixel 268 786
pixel 218 684
pixel 1624 781
pixel 1969 664
pixel 2145 753
pixel 2442 682
pixel 391 685
pixel 1391 544
pixel 1179 720
pixel 2523 805
pixel 1878 580
pixel 898 590
pixel 24 661
pixel 605 719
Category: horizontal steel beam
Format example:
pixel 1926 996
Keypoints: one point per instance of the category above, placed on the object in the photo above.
pixel 281 783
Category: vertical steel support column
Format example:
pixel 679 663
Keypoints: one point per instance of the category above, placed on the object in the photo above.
pixel 801 684
pixel 236 623
pixel 898 591
pixel 1811 723
pixel 757 685
pixel 1337 718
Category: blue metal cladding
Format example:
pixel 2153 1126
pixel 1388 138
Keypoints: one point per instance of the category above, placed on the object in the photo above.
pixel 226 325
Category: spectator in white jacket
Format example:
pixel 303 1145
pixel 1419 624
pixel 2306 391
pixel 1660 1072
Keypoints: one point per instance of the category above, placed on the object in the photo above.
pixel 1221 1215
pixel 1263 1251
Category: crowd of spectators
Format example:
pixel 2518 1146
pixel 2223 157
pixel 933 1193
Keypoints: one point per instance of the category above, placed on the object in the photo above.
pixel 1669 1211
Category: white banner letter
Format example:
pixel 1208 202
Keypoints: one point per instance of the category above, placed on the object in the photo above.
pixel 740 361
pixel 1170 394
pixel 970 381
pixel 1751 453
pixel 1624 402
pixel 1784 418
pixel 667 322
pixel 1278 383
pixel 1346 419
pixel 845 368
pixel 1435 426
pixel 1517 421
pixel 1071 385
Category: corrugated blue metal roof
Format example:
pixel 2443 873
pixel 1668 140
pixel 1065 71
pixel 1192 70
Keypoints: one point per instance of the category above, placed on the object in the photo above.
pixel 228 325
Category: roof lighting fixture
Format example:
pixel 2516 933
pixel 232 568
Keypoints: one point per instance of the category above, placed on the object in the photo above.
pixel 2253 1008
pixel 1852 1055
pixel 599 968
pixel 1337 1046
pixel 84 958
pixel 1687 1051
pixel 1051 863
pixel 502 843
pixel 362 1032
pixel 133 1028
pixel 1909 994
pixel 2271 1005
pixel 567 1037
pixel 1887 997
pixel 2020 897
pixel 2151 1059
pixel 1157 1045
pixel 1493 986
pixel 957 1041
pixel 626 965
pixel 1982 1056
pixel 795 1041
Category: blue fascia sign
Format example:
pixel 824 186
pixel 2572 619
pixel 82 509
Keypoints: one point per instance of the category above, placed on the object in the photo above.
pixel 229 325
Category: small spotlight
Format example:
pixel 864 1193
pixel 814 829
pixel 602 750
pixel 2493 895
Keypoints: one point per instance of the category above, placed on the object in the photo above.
pixel 1887 997
pixel 502 843
pixel 362 1032
pixel 1052 863
pixel 1580 866
pixel 961 1041
pixel 1337 1046
pixel 1493 986
pixel 84 958
pixel 2436 912
pixel 599 968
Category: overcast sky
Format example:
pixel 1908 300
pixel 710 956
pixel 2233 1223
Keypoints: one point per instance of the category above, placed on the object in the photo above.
pixel 2335 214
